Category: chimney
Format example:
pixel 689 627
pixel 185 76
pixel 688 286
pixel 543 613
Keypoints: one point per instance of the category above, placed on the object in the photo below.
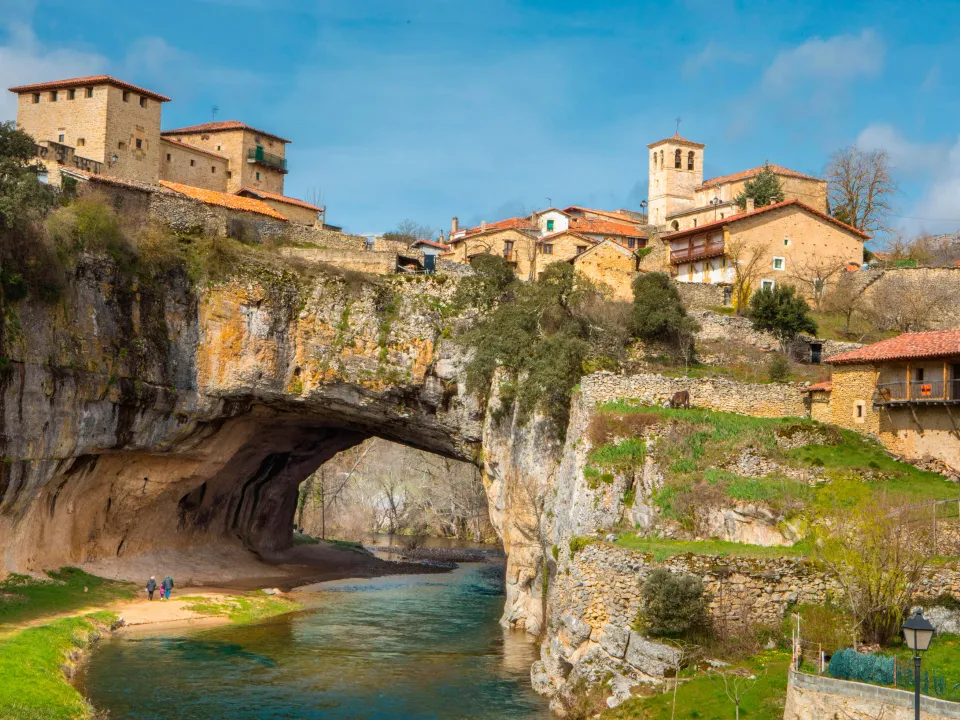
pixel 750 206
pixel 483 224
pixel 441 237
pixel 454 226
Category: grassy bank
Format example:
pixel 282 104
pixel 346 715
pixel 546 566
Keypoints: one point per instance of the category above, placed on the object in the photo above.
pixel 243 609
pixel 68 590
pixel 33 685
pixel 703 697
pixel 663 549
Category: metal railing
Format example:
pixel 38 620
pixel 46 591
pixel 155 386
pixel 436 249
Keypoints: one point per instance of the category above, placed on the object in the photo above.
pixel 259 155
pixel 509 256
pixel 693 252
pixel 917 391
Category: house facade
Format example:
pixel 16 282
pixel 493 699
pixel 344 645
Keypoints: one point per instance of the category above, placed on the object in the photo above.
pixel 905 391
pixel 780 243
pixel 611 265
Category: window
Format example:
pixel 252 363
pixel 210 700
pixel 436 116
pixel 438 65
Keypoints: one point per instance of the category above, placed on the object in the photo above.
pixel 71 94
pixel 675 225
pixel 678 158
pixel 213 168
pixel 192 163
pixel 143 101
pixel 918 374
pixel 53 96
pixel 779 263
pixel 218 148
pixel 121 145
pixel 61 138
pixel 258 174
pixel 786 242
pixel 694 222
pixel 631 243
pixel 690 160
pixel 36 98
pixel 81 142
pixel 767 284
pixel 139 144
pixel 549 225
pixel 229 174
pixel 126 96
pixel 168 157
pixel 860 411
pixel 547 249
pixel 89 92
pixel 661 159
pixel 722 216
pixel 581 249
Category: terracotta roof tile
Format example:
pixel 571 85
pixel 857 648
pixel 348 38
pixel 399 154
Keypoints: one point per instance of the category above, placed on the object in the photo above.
pixel 195 148
pixel 599 226
pixel 825 386
pixel 221 126
pixel 743 174
pixel 278 198
pixel 909 346
pixel 612 214
pixel 110 180
pixel 88 81
pixel 233 202
pixel 676 138
pixel 776 206
pixel 516 223
pixel 431 243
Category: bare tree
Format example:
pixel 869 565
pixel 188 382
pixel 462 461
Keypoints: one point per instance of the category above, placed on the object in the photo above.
pixel 813 275
pixel 904 301
pixel 747 260
pixel 736 684
pixel 686 652
pixel 861 188
pixel 845 297
pixel 409 231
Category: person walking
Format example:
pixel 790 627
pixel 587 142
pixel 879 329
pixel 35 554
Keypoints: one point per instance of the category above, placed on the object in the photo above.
pixel 151 586
pixel 167 586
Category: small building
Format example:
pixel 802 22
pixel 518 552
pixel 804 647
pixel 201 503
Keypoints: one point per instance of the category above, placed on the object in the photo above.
pixel 611 264
pixel 293 209
pixel 95 124
pixel 256 158
pixel 905 390
pixel 188 164
pixel 780 241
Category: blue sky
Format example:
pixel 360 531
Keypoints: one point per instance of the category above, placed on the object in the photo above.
pixel 426 109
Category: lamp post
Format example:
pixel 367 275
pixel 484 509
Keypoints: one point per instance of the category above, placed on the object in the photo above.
pixel 643 211
pixel 715 202
pixel 918 632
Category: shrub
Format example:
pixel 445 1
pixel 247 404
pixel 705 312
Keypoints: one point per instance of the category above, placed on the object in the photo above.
pixel 674 604
pixel 764 188
pixel 778 368
pixel 577 544
pixel 850 665
pixel 782 312
pixel 658 313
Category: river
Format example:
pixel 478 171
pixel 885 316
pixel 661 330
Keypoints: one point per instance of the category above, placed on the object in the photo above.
pixel 414 646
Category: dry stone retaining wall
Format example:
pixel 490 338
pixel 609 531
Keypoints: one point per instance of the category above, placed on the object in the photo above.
pixel 761 400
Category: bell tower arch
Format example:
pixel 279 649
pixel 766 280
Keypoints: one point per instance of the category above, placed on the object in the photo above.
pixel 676 170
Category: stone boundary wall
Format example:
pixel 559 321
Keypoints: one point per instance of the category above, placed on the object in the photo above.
pixel 758 399
pixel 817 696
pixel 604 585
pixel 700 296
pixel 369 261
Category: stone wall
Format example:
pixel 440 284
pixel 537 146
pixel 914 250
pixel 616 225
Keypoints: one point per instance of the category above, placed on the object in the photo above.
pixel 761 400
pixel 937 287
pixel 812 696
pixel 700 296
pixel 370 261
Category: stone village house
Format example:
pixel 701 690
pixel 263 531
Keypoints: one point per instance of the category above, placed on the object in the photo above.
pixel 104 126
pixel 905 391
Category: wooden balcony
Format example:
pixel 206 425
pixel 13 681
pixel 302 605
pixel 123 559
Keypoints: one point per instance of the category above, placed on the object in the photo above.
pixel 696 251
pixel 920 392
pixel 509 256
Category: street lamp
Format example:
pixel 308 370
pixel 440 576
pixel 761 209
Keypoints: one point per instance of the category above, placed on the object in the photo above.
pixel 715 202
pixel 643 210
pixel 918 632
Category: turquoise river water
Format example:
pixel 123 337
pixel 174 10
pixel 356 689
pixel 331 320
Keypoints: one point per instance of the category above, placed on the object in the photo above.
pixel 415 646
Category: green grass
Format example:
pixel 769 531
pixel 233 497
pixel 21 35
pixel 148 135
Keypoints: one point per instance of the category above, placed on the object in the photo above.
pixel 624 454
pixel 832 326
pixel 663 549
pixel 347 545
pixel 701 698
pixel 302 539
pixel 242 609
pixel 32 683
pixel 23 598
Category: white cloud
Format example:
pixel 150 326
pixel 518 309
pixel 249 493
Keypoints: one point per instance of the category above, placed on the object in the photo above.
pixel 713 55
pixel 24 60
pixel 831 61
pixel 938 211
pixel 905 156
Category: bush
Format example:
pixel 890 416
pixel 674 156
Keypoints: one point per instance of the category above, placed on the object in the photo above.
pixel 778 368
pixel 850 665
pixel 673 604
pixel 658 313
pixel 782 312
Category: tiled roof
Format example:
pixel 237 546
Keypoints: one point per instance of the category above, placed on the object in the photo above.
pixel 909 346
pixel 195 148
pixel 776 206
pixel 852 267
pixel 743 174
pixel 826 386
pixel 516 223
pixel 221 126
pixel 431 243
pixel 599 226
pixel 88 81
pixel 676 138
pixel 110 180
pixel 612 243
pixel 278 198
pixel 233 202
pixel 613 215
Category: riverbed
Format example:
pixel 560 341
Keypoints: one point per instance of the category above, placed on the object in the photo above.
pixel 398 647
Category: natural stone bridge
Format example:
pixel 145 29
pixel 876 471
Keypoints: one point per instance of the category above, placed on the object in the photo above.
pixel 138 418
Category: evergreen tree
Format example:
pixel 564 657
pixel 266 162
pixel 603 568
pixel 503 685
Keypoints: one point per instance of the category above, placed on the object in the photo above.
pixel 782 312
pixel 764 188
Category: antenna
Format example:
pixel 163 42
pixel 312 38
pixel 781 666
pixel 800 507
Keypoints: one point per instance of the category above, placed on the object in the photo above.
pixel 678 120
pixel 549 202
pixel 213 111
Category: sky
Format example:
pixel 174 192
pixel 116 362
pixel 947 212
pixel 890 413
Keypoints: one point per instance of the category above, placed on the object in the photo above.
pixel 484 109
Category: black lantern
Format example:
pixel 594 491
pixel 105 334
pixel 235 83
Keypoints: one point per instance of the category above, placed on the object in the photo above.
pixel 918 632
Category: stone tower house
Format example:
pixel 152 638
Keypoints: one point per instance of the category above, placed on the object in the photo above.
pixel 676 170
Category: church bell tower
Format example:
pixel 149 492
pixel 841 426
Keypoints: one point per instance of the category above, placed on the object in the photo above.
pixel 676 170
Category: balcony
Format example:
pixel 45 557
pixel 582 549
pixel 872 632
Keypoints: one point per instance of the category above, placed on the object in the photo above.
pixel 88 165
pixel 509 256
pixel 918 392
pixel 695 252
pixel 268 160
